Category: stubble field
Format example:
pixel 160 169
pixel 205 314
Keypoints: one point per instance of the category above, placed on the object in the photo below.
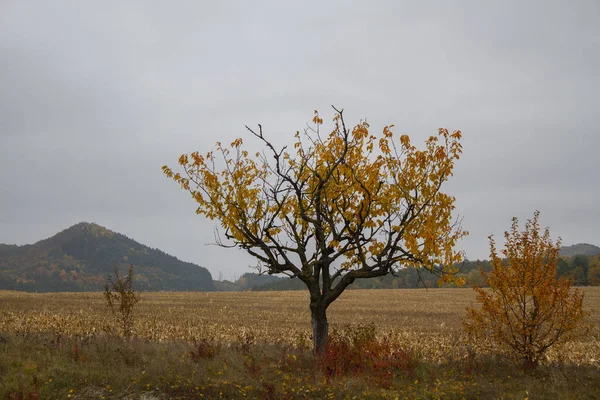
pixel 257 345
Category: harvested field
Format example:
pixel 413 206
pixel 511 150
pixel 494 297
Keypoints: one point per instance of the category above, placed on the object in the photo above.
pixel 426 323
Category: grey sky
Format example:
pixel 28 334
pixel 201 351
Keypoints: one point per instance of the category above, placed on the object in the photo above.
pixel 95 96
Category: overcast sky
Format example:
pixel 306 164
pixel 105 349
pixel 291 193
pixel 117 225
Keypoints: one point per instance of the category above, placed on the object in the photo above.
pixel 95 96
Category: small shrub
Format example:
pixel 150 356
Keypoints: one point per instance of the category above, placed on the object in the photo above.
pixel 203 349
pixel 121 298
pixel 357 350
pixel 349 350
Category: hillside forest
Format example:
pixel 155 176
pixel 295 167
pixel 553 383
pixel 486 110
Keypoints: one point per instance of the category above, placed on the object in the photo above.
pixel 79 258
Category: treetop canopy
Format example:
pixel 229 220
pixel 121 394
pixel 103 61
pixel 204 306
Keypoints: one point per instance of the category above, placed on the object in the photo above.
pixel 367 202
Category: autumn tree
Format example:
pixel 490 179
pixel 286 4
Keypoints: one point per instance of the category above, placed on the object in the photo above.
pixel 338 207
pixel 526 308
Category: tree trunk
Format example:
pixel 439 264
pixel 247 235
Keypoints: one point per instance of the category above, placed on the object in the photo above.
pixel 320 328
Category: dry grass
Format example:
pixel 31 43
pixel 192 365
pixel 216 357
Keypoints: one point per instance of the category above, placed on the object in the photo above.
pixel 426 322
pixel 433 316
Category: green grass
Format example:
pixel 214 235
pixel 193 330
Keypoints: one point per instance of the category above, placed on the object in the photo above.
pixel 257 345
pixel 110 367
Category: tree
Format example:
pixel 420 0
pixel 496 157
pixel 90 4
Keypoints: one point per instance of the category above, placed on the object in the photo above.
pixel 526 309
pixel 339 207
pixel 563 267
pixel 577 276
pixel 582 261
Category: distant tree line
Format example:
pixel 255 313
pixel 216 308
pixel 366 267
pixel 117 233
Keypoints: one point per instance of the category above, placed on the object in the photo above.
pixel 582 270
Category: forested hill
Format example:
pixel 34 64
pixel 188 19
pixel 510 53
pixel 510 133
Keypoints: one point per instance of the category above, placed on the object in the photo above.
pixel 78 259
pixel 579 249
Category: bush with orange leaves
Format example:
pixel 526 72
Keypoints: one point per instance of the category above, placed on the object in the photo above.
pixel 526 309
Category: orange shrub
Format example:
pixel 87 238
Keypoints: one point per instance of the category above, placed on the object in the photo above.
pixel 526 309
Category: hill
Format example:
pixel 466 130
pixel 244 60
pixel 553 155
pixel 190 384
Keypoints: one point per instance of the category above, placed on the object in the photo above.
pixel 78 259
pixel 579 249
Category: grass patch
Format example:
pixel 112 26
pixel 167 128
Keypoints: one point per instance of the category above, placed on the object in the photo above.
pixel 403 344
pixel 41 367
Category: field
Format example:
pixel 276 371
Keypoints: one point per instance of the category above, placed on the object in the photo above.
pixel 257 345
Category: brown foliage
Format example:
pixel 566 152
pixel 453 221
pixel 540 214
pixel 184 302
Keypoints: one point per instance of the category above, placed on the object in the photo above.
pixel 526 309
pixel 121 298
pixel 356 351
